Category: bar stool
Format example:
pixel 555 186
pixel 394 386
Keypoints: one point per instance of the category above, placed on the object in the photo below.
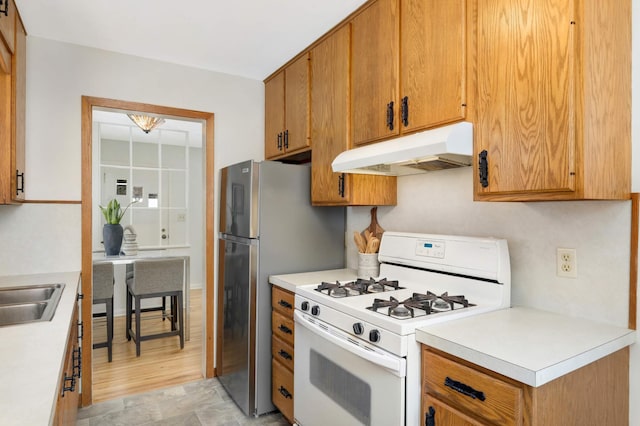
pixel 103 293
pixel 156 278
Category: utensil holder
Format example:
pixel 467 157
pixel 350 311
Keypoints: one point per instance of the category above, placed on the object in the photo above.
pixel 368 265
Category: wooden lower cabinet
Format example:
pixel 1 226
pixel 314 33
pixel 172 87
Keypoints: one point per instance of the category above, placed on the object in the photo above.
pixel 282 351
pixel 69 387
pixel 458 393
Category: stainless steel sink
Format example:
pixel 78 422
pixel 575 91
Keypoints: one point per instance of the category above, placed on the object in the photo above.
pixel 25 304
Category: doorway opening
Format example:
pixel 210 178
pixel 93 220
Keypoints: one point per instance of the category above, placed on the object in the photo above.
pixel 169 180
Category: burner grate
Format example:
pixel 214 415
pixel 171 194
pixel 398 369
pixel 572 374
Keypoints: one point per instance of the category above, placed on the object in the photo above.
pixel 358 287
pixel 419 304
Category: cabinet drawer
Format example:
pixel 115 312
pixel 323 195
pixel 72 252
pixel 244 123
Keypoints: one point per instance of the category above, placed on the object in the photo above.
pixel 282 389
pixel 282 301
pixel 470 390
pixel 444 415
pixel 282 352
pixel 282 327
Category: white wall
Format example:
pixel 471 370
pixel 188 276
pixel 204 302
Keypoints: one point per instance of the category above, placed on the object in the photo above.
pixel 58 74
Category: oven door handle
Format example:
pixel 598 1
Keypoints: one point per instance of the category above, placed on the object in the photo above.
pixel 394 364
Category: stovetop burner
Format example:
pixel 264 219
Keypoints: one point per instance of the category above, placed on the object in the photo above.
pixel 358 287
pixel 419 305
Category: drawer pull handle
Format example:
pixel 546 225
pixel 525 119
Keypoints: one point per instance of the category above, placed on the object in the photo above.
pixel 285 329
pixel 464 389
pixel 71 387
pixel 284 304
pixel 285 393
pixel 430 417
pixel 285 354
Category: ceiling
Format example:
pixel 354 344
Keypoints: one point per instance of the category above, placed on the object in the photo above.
pixel 249 38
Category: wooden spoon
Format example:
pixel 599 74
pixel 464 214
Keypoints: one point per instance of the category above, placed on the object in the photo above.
pixel 373 245
pixel 361 244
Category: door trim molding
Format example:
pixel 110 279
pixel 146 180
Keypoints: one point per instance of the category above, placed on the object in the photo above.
pixel 88 103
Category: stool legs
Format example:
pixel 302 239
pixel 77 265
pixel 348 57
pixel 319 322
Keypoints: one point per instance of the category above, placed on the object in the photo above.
pixel 134 308
pixel 109 304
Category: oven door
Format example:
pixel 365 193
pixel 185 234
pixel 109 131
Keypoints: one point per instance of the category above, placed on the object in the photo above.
pixel 341 380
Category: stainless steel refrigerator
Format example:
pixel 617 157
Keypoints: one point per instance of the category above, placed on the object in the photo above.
pixel 267 227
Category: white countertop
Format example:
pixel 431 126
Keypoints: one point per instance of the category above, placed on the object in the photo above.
pixel 528 345
pixel 32 355
pixel 291 281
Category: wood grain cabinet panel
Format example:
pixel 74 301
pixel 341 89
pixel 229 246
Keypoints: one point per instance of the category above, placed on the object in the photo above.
pixel 69 387
pixel 282 350
pixel 489 398
pixel 12 118
pixel 330 130
pixel 282 389
pixel 458 393
pixel 7 35
pixel 552 99
pixel 409 67
pixel 375 73
pixel 287 104
pixel 432 63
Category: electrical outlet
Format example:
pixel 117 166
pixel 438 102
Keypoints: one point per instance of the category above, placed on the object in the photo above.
pixel 566 261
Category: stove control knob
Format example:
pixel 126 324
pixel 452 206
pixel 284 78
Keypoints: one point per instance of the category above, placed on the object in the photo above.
pixel 358 328
pixel 305 306
pixel 374 336
pixel 315 310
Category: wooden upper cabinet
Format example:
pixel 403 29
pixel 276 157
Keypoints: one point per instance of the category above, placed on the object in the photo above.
pixel 432 63
pixel 330 130
pixel 18 112
pixel 287 103
pixel 409 67
pixel 274 115
pixel 7 35
pixel 12 117
pixel 375 62
pixel 553 100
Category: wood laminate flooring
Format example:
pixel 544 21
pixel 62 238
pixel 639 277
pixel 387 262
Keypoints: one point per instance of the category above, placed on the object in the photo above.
pixel 161 363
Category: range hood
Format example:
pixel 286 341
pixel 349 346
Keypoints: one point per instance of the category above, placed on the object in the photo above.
pixel 437 149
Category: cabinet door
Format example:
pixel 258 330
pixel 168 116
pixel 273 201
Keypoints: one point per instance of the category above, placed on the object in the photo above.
pixel 330 116
pixel 6 170
pixel 274 116
pixel 432 62
pixel 375 34
pixel 297 105
pixel 526 95
pixel 18 97
pixel 443 415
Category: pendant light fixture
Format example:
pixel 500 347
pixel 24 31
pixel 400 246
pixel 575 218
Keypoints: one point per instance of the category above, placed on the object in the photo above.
pixel 146 122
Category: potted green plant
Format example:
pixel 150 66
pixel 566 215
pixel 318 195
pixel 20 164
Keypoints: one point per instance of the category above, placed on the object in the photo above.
pixel 112 231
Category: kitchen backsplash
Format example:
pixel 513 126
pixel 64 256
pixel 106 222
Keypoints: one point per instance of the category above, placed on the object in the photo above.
pixel 442 203
pixel 39 238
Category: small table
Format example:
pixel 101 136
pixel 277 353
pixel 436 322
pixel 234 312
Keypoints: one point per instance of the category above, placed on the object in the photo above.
pixel 124 260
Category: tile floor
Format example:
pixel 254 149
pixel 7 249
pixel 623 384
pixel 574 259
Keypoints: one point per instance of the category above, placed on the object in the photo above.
pixel 202 403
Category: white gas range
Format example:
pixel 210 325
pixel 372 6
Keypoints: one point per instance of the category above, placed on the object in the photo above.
pixel 357 360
